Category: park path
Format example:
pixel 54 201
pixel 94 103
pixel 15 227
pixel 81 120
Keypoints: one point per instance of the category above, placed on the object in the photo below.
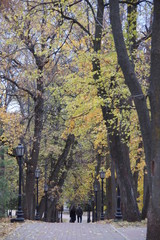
pixel 75 231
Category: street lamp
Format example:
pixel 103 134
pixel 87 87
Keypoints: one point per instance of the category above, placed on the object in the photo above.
pixel 92 209
pixel 37 175
pixel 45 191
pixel 96 190
pixel 118 214
pixel 89 210
pixel 19 151
pixel 61 213
pixel 102 176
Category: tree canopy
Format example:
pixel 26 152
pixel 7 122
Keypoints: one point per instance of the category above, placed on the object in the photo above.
pixel 81 78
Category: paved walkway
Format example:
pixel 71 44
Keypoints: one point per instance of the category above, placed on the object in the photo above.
pixel 75 231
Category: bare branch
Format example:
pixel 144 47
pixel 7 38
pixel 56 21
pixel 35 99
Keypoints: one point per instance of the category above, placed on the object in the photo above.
pixel 74 21
pixel 136 3
pixel 19 87
pixel 136 45
pixel 92 10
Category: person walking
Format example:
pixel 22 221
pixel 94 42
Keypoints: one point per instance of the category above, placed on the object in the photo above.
pixel 79 213
pixel 73 214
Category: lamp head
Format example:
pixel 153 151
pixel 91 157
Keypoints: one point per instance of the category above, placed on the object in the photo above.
pixel 37 173
pixel 20 150
pixel 102 174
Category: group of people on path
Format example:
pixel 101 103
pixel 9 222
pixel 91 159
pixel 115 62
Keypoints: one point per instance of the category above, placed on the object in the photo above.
pixel 76 211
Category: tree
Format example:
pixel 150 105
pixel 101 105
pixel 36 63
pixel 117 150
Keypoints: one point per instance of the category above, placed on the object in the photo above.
pixel 28 64
pixel 149 126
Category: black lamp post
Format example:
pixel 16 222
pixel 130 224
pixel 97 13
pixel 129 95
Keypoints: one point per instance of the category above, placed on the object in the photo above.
pixel 37 175
pixel 102 176
pixel 61 213
pixel 92 209
pixel 89 212
pixel 19 154
pixel 118 214
pixel 45 191
pixel 96 190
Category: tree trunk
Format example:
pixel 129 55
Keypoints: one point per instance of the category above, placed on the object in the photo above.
pixel 32 164
pixel 153 226
pixel 136 172
pixel 2 183
pixel 97 169
pixel 146 197
pixel 111 198
pixel 114 194
pixel 120 156
pixel 111 194
pixel 56 180
pixel 62 160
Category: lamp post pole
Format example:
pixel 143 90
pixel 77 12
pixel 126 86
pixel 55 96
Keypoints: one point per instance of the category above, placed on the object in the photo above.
pixel 37 175
pixel 20 212
pixel 61 213
pixel 89 209
pixel 19 153
pixel 102 175
pixel 92 209
pixel 46 206
pixel 45 186
pixel 96 189
pixel 118 214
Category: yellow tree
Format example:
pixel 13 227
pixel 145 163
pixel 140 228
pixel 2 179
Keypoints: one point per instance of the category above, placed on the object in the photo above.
pixel 29 57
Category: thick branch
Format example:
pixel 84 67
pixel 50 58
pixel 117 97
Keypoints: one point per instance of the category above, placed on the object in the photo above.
pixel 62 158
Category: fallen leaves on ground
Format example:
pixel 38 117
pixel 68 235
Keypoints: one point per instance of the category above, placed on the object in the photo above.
pixel 7 227
pixel 121 223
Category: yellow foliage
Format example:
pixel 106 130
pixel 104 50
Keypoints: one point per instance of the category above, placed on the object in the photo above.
pixel 108 173
pixel 11 128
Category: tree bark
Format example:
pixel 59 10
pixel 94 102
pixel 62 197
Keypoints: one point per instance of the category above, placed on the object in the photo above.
pixel 145 198
pixel 136 172
pixel 110 191
pixel 62 160
pixel 97 170
pixel 2 183
pixel 120 158
pixel 153 226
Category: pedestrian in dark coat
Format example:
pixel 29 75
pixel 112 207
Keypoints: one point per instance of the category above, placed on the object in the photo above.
pixel 73 214
pixel 79 213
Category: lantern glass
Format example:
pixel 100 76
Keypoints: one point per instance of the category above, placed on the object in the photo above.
pixel 37 173
pixel 45 187
pixel 20 150
pixel 102 174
